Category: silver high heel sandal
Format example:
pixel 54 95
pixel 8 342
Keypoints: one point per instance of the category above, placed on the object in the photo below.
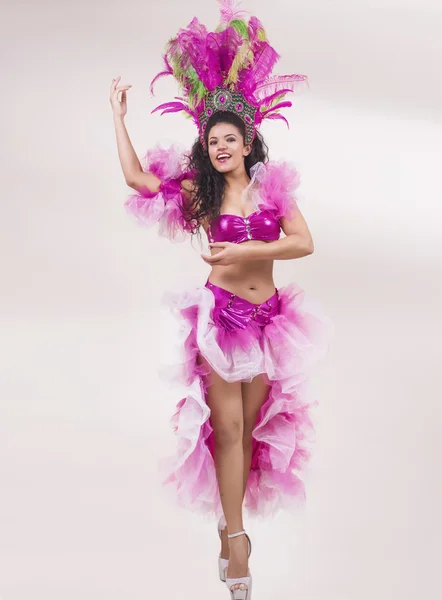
pixel 223 563
pixel 247 581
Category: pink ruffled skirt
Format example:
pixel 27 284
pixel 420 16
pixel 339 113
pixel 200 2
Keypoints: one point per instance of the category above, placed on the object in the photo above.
pixel 279 339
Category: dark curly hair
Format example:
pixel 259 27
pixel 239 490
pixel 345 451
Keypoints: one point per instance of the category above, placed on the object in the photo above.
pixel 205 201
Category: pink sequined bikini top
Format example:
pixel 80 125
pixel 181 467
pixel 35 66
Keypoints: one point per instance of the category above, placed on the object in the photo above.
pixel 260 225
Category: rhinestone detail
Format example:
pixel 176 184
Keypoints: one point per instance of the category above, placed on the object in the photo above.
pixel 256 310
pixel 232 101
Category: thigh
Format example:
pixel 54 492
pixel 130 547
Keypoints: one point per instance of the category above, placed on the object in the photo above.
pixel 225 402
pixel 254 394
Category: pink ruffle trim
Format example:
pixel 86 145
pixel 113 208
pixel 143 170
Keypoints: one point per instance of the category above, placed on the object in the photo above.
pixel 277 189
pixel 285 351
pixel 166 206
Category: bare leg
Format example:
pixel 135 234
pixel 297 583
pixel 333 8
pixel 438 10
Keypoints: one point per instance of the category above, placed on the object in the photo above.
pixel 225 402
pixel 254 394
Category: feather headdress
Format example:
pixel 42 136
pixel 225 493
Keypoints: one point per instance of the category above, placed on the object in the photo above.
pixel 228 69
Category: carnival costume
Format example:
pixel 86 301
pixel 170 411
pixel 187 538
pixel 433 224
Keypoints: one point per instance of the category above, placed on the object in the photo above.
pixel 231 69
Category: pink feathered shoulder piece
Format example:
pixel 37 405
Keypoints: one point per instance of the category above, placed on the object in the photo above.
pixel 165 207
pixel 278 182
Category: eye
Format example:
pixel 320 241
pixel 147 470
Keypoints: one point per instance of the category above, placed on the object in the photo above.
pixel 231 140
pixel 212 142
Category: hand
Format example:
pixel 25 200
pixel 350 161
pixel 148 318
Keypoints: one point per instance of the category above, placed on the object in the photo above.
pixel 119 107
pixel 230 254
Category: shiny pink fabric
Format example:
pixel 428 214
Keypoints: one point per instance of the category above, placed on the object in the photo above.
pixel 232 312
pixel 260 225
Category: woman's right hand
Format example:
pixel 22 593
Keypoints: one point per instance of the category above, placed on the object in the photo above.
pixel 119 107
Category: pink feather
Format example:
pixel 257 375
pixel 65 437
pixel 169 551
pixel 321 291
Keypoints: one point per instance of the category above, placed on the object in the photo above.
pixel 265 59
pixel 278 116
pixel 172 107
pixel 253 26
pixel 274 84
pixel 230 11
pixel 225 45
pixel 167 71
pixel 285 104
pixel 268 100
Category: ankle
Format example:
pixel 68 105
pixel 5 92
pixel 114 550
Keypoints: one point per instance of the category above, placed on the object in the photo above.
pixel 238 543
pixel 236 533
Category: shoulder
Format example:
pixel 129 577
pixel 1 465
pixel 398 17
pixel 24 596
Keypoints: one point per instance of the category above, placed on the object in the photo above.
pixel 278 182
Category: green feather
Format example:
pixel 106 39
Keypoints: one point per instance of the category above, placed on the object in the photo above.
pixel 241 27
pixel 197 91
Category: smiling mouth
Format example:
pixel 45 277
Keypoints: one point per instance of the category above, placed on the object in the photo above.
pixel 223 157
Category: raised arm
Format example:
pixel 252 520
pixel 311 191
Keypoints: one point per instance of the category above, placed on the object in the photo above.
pixel 134 175
pixel 162 182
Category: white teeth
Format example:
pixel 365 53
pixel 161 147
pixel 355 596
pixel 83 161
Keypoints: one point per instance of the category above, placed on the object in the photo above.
pixel 223 156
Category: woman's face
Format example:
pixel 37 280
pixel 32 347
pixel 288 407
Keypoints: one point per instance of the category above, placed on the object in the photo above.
pixel 226 147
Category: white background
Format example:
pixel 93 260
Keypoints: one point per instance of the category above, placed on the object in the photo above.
pixel 84 416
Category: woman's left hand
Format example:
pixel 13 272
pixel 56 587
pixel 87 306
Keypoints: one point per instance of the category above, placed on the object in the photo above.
pixel 230 254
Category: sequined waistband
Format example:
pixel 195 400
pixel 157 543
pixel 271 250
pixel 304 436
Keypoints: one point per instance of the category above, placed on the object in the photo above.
pixel 233 311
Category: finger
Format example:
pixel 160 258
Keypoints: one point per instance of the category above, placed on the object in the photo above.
pixel 123 96
pixel 218 245
pixel 116 93
pixel 210 259
pixel 218 255
pixel 123 87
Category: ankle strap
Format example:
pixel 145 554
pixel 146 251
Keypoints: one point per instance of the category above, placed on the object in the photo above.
pixel 232 535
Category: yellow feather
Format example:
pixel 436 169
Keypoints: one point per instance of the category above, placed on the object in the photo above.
pixel 241 61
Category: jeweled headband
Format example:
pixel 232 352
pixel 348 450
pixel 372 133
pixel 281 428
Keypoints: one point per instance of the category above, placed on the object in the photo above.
pixel 229 69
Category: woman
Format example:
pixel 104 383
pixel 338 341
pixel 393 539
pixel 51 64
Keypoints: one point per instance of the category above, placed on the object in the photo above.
pixel 243 428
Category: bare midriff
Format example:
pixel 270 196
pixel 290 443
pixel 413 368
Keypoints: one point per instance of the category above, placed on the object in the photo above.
pixel 251 280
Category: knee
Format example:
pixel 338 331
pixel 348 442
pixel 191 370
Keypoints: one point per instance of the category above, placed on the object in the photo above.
pixel 228 434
